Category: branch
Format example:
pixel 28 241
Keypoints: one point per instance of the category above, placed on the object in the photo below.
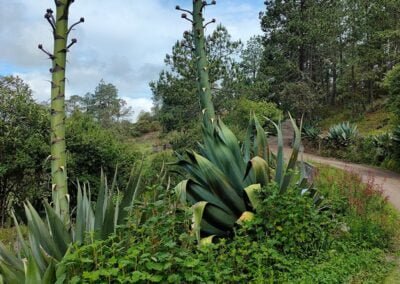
pixel 51 56
pixel 50 18
pixel 73 41
pixel 81 20
pixel 183 10
pixel 210 22
pixel 184 16
pixel 209 4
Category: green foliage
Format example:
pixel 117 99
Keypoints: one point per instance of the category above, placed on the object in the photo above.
pixel 392 83
pixel 104 104
pixel 368 220
pixel 342 134
pixel 174 93
pixel 294 222
pixel 91 147
pixel 224 180
pixel 299 98
pixel 384 146
pixel 185 139
pixel 146 123
pixel 282 249
pixel 311 132
pixel 48 241
pixel 24 145
pixel 244 107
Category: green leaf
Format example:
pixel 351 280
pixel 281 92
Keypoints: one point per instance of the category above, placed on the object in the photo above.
pixel 32 273
pixel 260 170
pixel 198 210
pixel 293 158
pixel 60 234
pixel 253 192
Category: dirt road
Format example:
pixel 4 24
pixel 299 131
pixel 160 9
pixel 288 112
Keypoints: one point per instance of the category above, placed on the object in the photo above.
pixel 389 181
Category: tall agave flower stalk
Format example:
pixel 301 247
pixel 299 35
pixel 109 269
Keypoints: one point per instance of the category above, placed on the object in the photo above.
pixel 203 81
pixel 61 31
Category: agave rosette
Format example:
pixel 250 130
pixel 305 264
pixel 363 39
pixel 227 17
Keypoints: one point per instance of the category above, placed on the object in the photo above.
pixel 225 178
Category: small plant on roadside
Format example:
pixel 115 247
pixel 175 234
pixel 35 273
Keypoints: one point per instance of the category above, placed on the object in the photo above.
pixel 342 134
pixel 383 145
pixel 311 132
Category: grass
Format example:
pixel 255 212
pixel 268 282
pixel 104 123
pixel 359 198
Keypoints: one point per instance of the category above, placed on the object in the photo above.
pixel 145 143
pixel 378 120
pixel 8 236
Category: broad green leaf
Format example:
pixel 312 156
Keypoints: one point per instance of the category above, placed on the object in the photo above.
pixel 253 192
pixel 198 210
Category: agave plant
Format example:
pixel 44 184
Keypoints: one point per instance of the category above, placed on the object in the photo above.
pixel 383 144
pixel 342 134
pixel 225 179
pixel 396 135
pixel 311 132
pixel 49 239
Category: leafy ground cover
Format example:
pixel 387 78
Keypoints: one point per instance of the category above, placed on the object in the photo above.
pixel 348 240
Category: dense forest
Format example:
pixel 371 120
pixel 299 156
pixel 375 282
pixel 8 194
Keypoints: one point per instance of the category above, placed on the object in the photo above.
pixel 229 178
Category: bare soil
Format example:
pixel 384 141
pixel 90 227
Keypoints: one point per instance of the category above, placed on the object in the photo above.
pixel 388 181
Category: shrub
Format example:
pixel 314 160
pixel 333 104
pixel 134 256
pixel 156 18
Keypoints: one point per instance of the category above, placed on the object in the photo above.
pixel 91 148
pixel 297 226
pixel 272 248
pixel 367 217
pixel 240 115
pixel 311 132
pixel 383 146
pixel 24 146
pixel 392 84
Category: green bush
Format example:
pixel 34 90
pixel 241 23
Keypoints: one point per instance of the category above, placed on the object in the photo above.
pixel 287 243
pixel 90 148
pixel 368 219
pixel 24 146
pixel 294 223
pixel 240 115
pixel 392 84
pixel 185 139
pixel 311 132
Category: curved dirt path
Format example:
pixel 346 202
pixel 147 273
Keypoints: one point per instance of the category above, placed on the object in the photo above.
pixel 387 180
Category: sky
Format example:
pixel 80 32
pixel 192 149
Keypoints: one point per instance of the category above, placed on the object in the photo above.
pixel 123 42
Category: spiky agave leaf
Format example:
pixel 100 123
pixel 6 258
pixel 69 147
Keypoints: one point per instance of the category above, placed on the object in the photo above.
pixel 49 240
pixel 225 181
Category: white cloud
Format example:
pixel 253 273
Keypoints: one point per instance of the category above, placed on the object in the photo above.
pixel 138 105
pixel 122 42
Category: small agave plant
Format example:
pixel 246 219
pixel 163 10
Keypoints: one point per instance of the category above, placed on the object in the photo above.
pixel 49 239
pixel 342 134
pixel 225 179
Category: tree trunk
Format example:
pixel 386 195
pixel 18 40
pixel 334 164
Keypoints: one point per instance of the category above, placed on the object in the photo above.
pixel 334 80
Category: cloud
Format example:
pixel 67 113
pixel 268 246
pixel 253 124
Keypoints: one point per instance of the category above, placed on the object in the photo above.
pixel 122 42
pixel 138 105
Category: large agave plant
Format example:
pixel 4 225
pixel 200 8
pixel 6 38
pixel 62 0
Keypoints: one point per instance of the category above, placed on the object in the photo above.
pixel 342 134
pixel 225 179
pixel 49 239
